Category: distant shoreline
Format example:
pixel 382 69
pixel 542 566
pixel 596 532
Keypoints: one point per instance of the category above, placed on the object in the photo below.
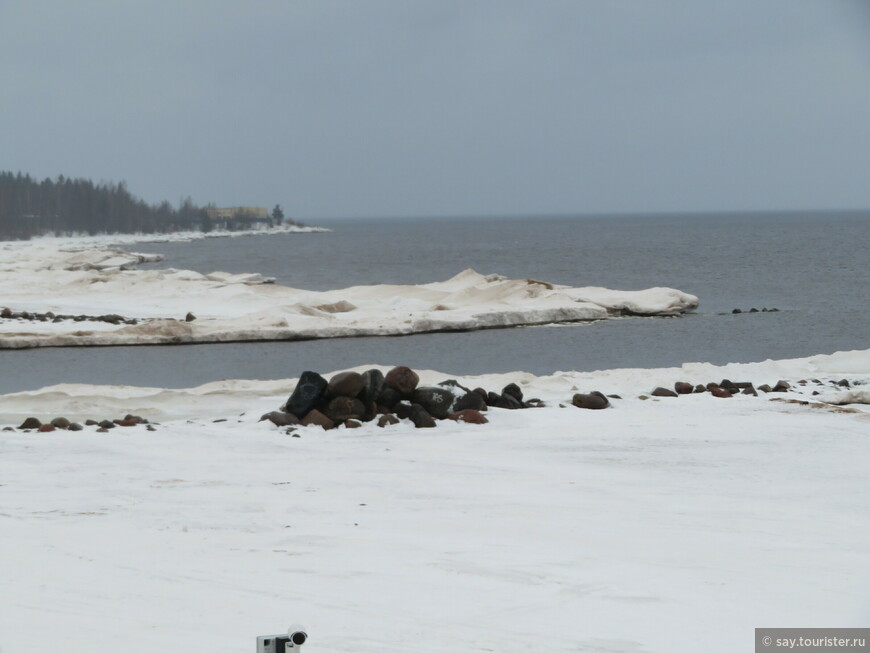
pixel 171 237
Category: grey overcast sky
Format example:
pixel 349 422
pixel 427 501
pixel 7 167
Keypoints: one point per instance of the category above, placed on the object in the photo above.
pixel 443 107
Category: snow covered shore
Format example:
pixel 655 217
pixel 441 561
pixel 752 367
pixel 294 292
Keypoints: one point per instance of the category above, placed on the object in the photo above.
pixel 68 280
pixel 108 240
pixel 667 525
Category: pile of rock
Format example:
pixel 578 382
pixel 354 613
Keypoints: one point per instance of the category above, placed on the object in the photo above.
pixel 8 314
pixel 723 389
pixel 351 398
pixel 62 423
pixel 755 310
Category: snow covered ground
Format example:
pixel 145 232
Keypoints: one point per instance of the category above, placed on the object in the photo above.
pixel 665 525
pixel 79 278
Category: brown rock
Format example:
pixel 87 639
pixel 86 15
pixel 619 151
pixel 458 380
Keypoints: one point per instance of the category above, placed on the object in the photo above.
pixel 718 391
pixel 280 418
pixel 46 428
pixel 700 388
pixel 387 420
pixel 468 415
pixel 591 401
pixel 342 408
pixel 683 388
pixel 781 386
pixel 317 418
pixel 352 424
pixel 345 384
pixel 125 422
pixel 403 379
pixel 30 423
pixel 663 392
pixel 190 317
pixel 60 422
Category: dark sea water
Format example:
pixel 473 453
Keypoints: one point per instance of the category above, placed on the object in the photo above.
pixel 813 267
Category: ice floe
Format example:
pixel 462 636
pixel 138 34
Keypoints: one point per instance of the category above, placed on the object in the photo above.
pixel 75 279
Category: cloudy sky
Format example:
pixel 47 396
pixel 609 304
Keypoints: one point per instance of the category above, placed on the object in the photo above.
pixel 445 107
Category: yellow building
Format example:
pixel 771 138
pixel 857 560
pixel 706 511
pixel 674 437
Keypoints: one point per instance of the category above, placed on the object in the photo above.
pixel 242 213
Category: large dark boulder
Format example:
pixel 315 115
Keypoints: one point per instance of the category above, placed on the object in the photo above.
pixel 510 402
pixel 513 390
pixel 403 379
pixel 469 401
pixel 591 401
pixel 421 418
pixel 663 392
pixel 403 409
pixel 683 388
pixel 437 401
pixel 344 384
pixel 344 408
pixel 719 391
pixel 30 423
pixel 373 385
pixel 307 393
pixel 388 398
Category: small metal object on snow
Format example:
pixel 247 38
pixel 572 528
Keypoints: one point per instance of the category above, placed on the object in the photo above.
pixel 290 643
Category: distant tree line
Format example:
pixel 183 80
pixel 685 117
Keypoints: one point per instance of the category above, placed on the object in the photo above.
pixel 66 206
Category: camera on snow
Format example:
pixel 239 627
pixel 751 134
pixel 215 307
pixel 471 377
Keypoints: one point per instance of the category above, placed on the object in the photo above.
pixel 290 643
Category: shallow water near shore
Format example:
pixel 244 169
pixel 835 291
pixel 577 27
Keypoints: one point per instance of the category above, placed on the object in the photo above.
pixel 812 267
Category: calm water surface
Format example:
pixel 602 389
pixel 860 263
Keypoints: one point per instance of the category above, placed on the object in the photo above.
pixel 813 267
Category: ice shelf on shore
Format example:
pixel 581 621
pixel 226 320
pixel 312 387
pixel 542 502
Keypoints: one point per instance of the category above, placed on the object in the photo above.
pixel 670 525
pixel 78 400
pixel 76 279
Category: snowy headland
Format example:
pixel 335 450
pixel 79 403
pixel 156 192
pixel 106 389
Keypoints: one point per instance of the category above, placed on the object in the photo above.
pixel 69 292
pixel 670 524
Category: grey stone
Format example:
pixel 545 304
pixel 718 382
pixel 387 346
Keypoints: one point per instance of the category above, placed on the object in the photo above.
pixel 421 418
pixel 437 401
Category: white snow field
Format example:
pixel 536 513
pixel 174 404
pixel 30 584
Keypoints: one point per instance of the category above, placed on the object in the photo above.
pixel 80 278
pixel 671 525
